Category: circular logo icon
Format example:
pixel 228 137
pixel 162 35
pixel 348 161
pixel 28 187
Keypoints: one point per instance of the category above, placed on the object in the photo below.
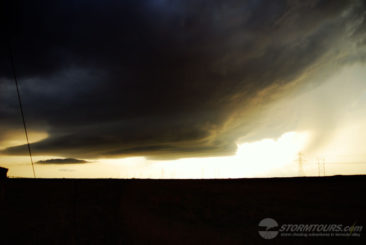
pixel 267 228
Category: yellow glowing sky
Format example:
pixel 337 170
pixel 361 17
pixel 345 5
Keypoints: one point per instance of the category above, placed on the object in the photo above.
pixel 251 160
pixel 264 158
pixel 339 103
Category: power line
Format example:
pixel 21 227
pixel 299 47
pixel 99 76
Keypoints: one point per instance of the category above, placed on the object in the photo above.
pixel 346 162
pixel 21 106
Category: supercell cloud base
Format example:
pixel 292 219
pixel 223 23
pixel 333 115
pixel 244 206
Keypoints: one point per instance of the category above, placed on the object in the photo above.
pixel 172 81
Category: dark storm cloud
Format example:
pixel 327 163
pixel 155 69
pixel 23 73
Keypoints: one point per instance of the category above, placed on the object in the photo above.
pixel 62 161
pixel 163 78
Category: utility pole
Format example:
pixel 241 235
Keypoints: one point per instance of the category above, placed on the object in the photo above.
pixel 300 160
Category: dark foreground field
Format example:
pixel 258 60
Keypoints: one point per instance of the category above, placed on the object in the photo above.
pixel 175 211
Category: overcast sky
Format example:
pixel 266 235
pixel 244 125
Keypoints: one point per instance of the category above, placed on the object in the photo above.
pixel 177 79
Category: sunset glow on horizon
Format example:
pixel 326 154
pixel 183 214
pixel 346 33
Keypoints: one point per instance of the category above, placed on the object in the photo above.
pixel 255 159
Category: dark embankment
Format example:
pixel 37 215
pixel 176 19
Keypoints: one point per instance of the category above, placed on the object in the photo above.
pixel 175 211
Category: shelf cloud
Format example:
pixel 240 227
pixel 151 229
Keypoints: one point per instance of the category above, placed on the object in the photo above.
pixel 167 79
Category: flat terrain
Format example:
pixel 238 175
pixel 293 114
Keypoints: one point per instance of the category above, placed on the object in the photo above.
pixel 175 211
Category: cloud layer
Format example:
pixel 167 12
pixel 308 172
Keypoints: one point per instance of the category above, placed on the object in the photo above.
pixel 62 161
pixel 166 79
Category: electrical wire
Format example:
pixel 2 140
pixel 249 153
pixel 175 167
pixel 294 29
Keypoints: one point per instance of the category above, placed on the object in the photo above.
pixel 21 106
